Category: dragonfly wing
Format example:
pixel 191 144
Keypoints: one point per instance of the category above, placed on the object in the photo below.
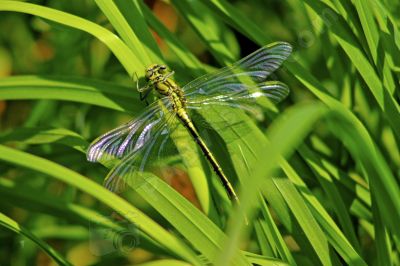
pixel 274 90
pixel 244 98
pixel 131 136
pixel 257 66
pixel 130 171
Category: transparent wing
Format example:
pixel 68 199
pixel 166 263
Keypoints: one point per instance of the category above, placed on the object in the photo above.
pixel 256 66
pixel 130 171
pixel 274 90
pixel 244 97
pixel 129 137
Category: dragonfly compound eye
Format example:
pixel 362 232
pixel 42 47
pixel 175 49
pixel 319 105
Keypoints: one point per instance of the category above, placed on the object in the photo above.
pixel 163 69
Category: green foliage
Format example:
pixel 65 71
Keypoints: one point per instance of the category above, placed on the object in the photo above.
pixel 318 177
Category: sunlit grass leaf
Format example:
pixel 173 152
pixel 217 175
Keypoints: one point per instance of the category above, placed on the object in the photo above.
pixel 128 21
pixel 128 211
pixel 127 58
pixel 203 234
pixel 81 90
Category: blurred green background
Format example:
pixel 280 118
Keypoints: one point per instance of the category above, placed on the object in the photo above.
pixel 334 201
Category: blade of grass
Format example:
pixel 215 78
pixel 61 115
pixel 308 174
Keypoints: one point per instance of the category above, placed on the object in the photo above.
pixel 83 90
pixel 263 260
pixel 375 44
pixel 303 117
pixel 14 226
pixel 262 240
pixel 308 80
pixel 208 29
pixel 360 146
pixel 273 235
pixel 385 100
pixel 132 214
pixel 164 262
pixel 328 225
pixel 346 40
pixel 125 18
pixel 390 33
pixel 204 235
pixel 188 59
pixel 333 194
pixel 383 245
pixel 132 10
pixel 26 198
pixel 45 135
pixel 305 218
pixel 128 59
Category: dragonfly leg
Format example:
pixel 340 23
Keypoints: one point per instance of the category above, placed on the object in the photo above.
pixel 144 92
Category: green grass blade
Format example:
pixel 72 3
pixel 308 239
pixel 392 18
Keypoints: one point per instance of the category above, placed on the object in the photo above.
pixel 256 259
pixel 96 92
pixel 203 234
pixel 328 225
pixel 383 245
pixel 26 198
pixel 14 226
pixel 128 21
pixel 207 28
pixel 332 193
pixel 377 171
pixel 369 27
pixel 305 218
pixel 44 136
pixel 273 235
pixel 376 41
pixel 116 203
pixel 386 102
pixel 188 59
pixel 164 262
pixel 263 243
pixel 303 118
pixel 128 59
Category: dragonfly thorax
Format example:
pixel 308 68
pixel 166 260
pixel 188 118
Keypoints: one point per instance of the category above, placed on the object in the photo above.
pixel 159 77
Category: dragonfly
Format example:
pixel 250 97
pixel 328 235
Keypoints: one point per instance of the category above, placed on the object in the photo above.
pixel 235 86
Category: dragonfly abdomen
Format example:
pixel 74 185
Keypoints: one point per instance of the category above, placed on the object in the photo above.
pixel 184 117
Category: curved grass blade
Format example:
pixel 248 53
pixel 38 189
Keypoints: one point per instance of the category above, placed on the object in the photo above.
pixel 272 233
pixel 292 133
pixel 128 21
pixel 128 59
pixel 45 135
pixel 208 28
pixel 14 226
pixel 386 101
pixel 129 212
pixel 332 192
pixel 203 234
pixel 164 262
pixel 81 90
pixel 361 148
pixel 188 59
pixel 26 198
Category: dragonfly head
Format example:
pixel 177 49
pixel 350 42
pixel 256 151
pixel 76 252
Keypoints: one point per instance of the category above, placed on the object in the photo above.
pixel 155 70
